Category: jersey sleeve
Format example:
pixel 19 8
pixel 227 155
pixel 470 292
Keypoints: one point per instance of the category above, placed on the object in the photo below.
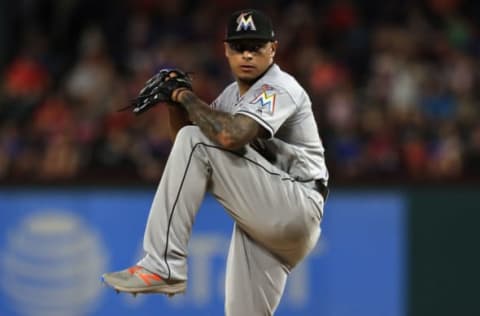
pixel 268 106
pixel 216 104
pixel 224 100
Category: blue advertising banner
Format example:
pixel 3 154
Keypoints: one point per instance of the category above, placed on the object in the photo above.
pixel 55 244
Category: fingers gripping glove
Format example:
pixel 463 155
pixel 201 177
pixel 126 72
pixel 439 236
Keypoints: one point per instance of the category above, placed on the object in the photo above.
pixel 159 89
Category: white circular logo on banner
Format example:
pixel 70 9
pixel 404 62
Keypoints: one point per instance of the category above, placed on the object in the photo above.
pixel 52 265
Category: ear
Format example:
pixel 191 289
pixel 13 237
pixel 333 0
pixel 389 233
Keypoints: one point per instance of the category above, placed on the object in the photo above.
pixel 225 45
pixel 273 48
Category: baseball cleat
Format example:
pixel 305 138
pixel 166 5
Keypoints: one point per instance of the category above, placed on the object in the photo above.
pixel 138 280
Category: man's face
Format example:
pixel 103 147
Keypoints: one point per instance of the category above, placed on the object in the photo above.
pixel 248 59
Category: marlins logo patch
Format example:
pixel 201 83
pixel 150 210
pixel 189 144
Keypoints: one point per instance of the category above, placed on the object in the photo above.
pixel 245 22
pixel 265 100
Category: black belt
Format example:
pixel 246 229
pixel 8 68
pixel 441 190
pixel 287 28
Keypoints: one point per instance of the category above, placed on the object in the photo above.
pixel 322 189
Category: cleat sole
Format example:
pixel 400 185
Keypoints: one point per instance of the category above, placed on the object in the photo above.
pixel 170 289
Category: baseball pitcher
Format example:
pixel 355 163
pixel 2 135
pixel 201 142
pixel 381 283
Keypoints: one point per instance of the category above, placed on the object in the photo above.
pixel 256 149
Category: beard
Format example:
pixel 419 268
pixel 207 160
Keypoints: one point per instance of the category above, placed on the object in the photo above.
pixel 251 81
pixel 248 81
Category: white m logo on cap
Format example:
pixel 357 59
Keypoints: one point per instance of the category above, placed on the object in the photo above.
pixel 245 22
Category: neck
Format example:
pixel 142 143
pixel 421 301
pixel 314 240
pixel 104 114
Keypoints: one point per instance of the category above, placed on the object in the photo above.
pixel 244 85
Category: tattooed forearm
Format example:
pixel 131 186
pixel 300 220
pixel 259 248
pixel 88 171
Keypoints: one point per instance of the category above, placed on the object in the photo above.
pixel 209 121
pixel 223 128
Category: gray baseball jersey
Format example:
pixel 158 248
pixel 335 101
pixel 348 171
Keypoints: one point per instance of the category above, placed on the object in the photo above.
pixel 268 190
pixel 281 106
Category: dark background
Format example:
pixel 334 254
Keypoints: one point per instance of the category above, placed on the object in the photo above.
pixel 394 84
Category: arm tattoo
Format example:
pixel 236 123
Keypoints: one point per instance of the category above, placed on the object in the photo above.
pixel 221 127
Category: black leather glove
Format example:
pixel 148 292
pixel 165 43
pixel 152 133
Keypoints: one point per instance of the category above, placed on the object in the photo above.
pixel 159 88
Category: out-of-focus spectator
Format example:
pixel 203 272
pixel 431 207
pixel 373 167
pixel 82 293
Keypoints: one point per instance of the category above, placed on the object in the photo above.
pixel 26 80
pixel 61 159
pixel 91 80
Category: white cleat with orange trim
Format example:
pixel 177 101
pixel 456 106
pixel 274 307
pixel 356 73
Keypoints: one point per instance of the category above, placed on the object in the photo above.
pixel 137 280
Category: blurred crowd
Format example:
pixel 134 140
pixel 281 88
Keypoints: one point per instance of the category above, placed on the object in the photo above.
pixel 395 85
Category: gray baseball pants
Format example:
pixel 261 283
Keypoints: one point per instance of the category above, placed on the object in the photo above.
pixel 277 220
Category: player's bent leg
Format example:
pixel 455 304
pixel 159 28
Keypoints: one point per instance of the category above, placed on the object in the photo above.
pixel 176 202
pixel 255 279
pixel 178 197
pixel 282 215
pixel 273 208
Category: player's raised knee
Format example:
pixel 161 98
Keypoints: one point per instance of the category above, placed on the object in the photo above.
pixel 292 231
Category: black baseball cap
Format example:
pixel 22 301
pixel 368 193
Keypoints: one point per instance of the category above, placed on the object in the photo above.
pixel 249 24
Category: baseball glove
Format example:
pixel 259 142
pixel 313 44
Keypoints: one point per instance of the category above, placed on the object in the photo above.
pixel 159 88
